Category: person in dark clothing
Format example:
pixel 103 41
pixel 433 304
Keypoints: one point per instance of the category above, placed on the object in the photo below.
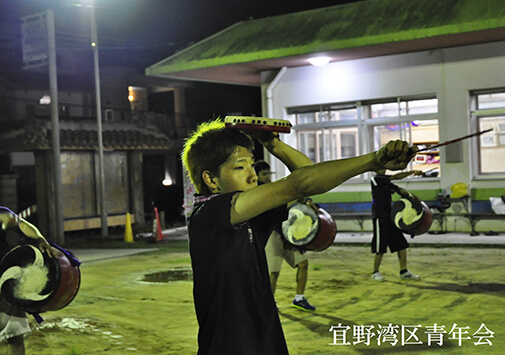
pixel 232 220
pixel 278 250
pixel 385 232
pixel 13 321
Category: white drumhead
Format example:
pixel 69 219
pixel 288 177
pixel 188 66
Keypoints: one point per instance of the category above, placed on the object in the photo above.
pixel 301 226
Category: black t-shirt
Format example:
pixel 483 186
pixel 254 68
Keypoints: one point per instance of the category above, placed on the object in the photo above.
pixel 234 303
pixel 382 189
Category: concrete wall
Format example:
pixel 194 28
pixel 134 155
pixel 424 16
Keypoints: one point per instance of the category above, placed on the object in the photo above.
pixel 450 74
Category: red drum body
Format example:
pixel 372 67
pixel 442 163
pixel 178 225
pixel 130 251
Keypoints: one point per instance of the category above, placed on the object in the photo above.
pixel 411 215
pixel 309 227
pixel 257 124
pixel 35 282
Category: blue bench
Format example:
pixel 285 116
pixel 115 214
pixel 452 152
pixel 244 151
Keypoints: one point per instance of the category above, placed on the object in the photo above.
pixel 361 211
pixel 481 210
pixel 346 211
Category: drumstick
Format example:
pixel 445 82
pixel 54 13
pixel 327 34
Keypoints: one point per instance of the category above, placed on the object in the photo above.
pixel 28 212
pixel 454 140
pixel 23 214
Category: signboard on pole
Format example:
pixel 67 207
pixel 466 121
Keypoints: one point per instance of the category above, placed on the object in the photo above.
pixel 34 40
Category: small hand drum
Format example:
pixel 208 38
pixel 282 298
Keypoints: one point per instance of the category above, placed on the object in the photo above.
pixel 309 227
pixel 411 215
pixel 35 282
pixel 257 124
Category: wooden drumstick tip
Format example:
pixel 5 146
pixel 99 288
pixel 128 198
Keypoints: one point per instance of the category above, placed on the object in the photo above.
pixel 454 140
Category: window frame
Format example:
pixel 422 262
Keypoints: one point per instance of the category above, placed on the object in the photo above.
pixel 364 124
pixel 476 114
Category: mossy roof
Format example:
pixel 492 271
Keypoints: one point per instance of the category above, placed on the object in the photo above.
pixel 266 43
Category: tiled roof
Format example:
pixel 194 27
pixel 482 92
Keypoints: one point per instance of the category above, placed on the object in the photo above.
pixel 81 134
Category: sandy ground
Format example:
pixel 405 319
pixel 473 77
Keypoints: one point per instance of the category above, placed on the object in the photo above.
pixel 462 288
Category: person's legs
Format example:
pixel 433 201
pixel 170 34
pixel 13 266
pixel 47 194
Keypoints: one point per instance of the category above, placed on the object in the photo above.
pixel 274 254
pixel 274 276
pixel 379 247
pixel 405 274
pixel 377 262
pixel 402 258
pixel 13 326
pixel 302 272
pixel 16 345
pixel 376 274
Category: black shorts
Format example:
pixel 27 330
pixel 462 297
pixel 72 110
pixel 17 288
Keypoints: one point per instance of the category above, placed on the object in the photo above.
pixel 386 234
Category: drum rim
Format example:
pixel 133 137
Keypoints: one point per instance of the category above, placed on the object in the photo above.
pixel 331 224
pixel 319 242
pixel 46 307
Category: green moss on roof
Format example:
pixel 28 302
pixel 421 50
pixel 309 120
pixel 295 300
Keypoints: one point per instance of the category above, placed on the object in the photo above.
pixel 364 23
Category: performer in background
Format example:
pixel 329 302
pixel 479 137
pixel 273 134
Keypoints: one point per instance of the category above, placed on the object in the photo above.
pixel 385 232
pixel 278 249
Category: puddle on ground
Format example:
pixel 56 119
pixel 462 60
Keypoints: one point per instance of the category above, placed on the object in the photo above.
pixel 175 274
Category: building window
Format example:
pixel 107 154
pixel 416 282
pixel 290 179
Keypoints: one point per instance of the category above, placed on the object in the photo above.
pixel 328 133
pixel 337 131
pixel 414 120
pixel 307 144
pixel 488 113
pixel 109 115
pixel 63 110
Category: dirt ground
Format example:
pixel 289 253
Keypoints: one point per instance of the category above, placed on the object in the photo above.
pixel 462 292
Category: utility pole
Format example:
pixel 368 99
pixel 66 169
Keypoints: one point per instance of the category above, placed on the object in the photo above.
pixel 55 128
pixel 103 201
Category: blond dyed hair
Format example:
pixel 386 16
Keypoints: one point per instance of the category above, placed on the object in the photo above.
pixel 209 146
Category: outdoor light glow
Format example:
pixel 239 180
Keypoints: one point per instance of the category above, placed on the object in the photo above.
pixel 319 61
pixel 334 76
pixel 167 181
pixel 83 3
pixel 45 100
pixel 93 44
pixel 130 98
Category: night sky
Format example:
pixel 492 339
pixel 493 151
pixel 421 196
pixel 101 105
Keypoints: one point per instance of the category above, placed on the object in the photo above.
pixel 136 33
pixel 139 33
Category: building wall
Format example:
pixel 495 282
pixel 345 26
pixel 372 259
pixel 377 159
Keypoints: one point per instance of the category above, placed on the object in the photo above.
pixel 80 190
pixel 27 104
pixel 450 74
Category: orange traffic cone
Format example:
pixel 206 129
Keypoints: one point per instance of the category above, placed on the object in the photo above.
pixel 128 233
pixel 159 233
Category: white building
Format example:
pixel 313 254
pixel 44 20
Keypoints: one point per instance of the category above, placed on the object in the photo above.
pixel 425 71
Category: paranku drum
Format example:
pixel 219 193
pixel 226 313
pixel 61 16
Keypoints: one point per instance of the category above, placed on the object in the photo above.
pixel 257 123
pixel 35 282
pixel 309 227
pixel 411 215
